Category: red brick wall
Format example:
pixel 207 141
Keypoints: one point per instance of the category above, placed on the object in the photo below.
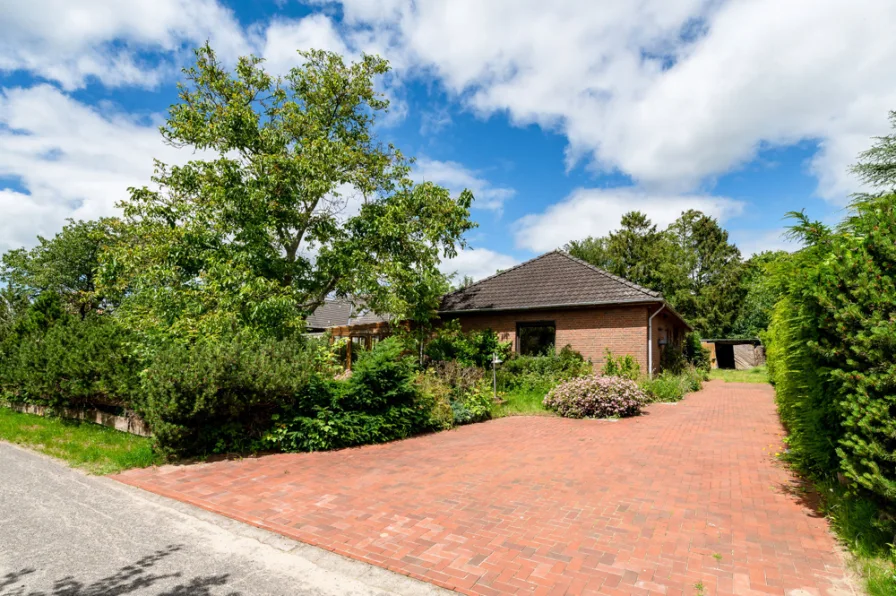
pixel 589 330
pixel 665 326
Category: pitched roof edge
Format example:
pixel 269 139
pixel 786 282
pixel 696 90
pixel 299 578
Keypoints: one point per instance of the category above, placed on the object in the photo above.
pixel 564 306
pixel 622 280
pixel 498 274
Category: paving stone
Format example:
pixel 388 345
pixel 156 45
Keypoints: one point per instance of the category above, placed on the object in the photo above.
pixel 541 505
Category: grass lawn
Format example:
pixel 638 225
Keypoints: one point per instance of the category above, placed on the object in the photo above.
pixel 97 449
pixel 752 375
pixel 521 402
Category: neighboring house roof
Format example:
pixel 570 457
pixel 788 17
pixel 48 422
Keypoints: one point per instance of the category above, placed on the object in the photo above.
pixel 332 313
pixel 555 279
pixel 339 312
pixel 366 317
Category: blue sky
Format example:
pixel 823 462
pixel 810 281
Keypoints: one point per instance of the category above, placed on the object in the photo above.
pixel 559 116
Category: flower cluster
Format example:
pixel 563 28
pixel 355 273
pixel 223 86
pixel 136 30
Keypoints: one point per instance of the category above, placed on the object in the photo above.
pixel 596 397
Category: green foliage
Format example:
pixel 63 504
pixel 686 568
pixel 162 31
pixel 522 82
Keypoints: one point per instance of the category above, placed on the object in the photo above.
pixel 436 394
pixel 218 396
pixel 831 343
pixel 695 354
pixel 521 402
pixel 704 282
pixel 541 372
pixel 475 348
pixel 691 263
pixel 225 243
pixel 380 402
pixel 65 265
pixel 57 359
pixel 672 387
pixel 673 360
pixel 877 165
pixel 471 393
pixel 621 366
pixel 761 290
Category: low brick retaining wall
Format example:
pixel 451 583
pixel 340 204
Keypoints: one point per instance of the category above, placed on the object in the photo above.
pixel 132 424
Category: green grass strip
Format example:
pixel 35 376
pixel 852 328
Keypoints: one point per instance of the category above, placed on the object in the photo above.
pixel 97 449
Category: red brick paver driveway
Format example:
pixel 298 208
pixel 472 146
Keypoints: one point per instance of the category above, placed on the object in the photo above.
pixel 684 497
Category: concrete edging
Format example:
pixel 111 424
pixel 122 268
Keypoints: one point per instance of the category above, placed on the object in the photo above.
pixel 132 424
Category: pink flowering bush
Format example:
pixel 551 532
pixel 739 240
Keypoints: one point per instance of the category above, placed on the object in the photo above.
pixel 596 397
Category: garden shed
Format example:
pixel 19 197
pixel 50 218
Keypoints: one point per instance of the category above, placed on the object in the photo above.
pixel 739 354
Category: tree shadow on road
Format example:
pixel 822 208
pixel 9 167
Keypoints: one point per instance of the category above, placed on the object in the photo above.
pixel 128 579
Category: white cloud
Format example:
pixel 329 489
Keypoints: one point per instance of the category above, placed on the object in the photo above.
pixel 72 160
pixel 455 177
pixel 70 42
pixel 671 92
pixel 477 263
pixel 283 38
pixel 596 212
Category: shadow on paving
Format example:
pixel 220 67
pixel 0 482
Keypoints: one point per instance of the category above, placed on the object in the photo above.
pixel 127 580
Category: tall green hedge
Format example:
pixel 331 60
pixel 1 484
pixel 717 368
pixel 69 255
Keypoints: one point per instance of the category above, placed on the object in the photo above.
pixel 832 347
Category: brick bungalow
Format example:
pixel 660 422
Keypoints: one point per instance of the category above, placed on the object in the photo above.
pixel 556 300
pixel 544 304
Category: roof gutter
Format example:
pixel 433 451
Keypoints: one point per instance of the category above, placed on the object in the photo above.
pixel 650 340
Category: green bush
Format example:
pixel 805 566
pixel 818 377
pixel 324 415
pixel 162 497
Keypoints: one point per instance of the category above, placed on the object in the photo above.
pixel 672 360
pixel 542 372
pixel 831 344
pixel 220 395
pixel 475 348
pixel 695 353
pixel 471 396
pixel 621 366
pixel 57 359
pixel 380 402
pixel 669 387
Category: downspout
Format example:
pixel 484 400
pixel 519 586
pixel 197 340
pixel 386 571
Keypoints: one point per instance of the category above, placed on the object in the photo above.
pixel 650 340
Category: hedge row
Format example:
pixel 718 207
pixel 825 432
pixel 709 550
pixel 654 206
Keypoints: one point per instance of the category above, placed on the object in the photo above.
pixel 831 347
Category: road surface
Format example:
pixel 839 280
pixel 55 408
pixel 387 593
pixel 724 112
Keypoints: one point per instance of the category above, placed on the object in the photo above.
pixel 63 533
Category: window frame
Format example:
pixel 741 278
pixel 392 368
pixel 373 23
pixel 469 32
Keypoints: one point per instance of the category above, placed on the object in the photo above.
pixel 541 323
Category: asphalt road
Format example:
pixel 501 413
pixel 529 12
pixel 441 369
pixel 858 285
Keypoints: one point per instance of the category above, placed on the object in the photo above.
pixel 63 533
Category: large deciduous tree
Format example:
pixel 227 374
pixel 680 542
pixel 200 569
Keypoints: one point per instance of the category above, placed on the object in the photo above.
pixel 291 198
pixel 66 264
pixel 708 274
pixel 635 251
pixel 691 262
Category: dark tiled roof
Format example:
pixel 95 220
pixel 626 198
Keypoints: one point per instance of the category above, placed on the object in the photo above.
pixel 365 317
pixel 332 313
pixel 553 279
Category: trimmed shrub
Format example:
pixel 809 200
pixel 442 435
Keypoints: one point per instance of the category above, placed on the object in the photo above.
pixel 622 366
pixel 220 395
pixel 381 401
pixel 668 387
pixel 596 397
pixel 60 360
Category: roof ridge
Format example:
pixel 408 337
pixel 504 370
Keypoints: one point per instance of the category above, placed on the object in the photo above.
pixel 500 273
pixel 631 284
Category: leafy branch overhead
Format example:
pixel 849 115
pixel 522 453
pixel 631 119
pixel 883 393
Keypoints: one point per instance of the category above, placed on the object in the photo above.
pixel 291 198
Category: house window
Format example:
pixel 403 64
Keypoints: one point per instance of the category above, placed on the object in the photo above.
pixel 535 338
